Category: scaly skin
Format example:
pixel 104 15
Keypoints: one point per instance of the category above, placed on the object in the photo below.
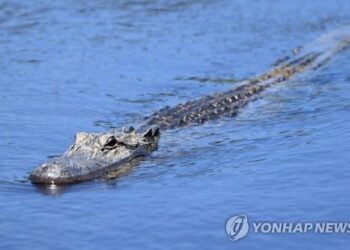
pixel 95 155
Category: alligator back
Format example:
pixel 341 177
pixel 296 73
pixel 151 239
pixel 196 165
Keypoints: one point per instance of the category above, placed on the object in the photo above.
pixel 228 103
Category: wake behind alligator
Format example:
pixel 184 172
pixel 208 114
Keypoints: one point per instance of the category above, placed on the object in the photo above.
pixel 96 155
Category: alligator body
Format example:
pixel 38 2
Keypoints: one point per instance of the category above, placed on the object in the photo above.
pixel 95 155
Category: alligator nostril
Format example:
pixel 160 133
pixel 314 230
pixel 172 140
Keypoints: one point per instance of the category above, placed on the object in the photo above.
pixel 53 171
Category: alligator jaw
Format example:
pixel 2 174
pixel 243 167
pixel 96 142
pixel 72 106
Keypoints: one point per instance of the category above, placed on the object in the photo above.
pixel 94 155
pixel 63 171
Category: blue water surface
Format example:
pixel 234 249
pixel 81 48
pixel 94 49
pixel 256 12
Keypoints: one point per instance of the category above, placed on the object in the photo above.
pixel 69 66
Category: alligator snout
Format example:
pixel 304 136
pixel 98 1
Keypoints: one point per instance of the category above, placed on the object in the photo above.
pixel 49 173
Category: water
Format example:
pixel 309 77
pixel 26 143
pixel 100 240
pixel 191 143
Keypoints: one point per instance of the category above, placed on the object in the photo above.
pixel 90 66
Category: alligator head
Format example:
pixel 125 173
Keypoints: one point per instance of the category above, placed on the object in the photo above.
pixel 94 155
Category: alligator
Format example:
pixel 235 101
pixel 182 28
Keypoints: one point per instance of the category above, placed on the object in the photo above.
pixel 93 156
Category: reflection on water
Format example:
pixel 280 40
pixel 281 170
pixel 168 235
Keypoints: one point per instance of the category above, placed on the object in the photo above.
pixel 69 66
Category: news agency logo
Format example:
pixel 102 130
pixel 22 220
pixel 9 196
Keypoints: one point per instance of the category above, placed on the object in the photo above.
pixel 237 227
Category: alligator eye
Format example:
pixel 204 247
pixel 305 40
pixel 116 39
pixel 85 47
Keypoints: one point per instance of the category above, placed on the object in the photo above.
pixel 111 142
